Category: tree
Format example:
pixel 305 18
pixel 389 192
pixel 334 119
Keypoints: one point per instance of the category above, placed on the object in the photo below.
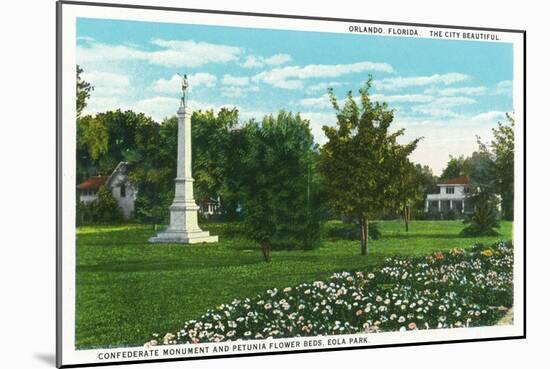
pixel 106 139
pixel 427 184
pixel 154 171
pixel 277 185
pixel 211 146
pixel 83 90
pixel 455 168
pixel 361 163
pixel 481 170
pixel 408 190
pixel 501 149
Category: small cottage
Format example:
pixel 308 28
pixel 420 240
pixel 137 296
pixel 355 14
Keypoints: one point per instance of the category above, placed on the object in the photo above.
pixel 119 185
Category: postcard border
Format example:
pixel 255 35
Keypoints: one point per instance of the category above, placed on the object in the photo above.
pixel 59 156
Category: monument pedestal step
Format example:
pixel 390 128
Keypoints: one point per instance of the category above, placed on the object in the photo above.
pixel 183 237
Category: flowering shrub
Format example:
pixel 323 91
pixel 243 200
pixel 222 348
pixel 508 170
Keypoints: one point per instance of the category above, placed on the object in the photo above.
pixel 459 288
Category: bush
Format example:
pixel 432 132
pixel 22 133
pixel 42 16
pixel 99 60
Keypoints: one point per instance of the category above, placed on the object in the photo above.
pixel 351 231
pixel 153 209
pixel 104 209
pixel 483 221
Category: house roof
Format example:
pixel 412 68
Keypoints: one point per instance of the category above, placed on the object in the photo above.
pixel 463 180
pixel 93 183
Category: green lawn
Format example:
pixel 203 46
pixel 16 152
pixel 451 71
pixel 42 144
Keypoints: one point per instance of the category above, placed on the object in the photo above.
pixel 127 289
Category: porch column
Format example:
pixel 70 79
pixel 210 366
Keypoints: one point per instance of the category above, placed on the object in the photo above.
pixel 451 204
pixel 463 205
pixel 439 206
pixel 427 206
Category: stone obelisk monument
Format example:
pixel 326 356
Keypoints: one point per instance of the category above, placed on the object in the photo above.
pixel 183 226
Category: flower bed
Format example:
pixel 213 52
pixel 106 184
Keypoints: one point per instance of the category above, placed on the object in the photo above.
pixel 460 288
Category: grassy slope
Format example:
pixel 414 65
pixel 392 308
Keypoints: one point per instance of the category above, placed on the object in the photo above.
pixel 128 289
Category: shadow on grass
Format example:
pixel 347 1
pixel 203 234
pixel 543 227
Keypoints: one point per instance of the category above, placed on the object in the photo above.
pixel 422 235
pixel 163 266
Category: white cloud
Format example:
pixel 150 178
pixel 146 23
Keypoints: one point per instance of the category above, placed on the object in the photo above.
pixel 441 107
pixel 321 102
pixel 107 84
pixel 253 61
pixel 490 116
pixel 317 121
pixel 291 77
pixel 158 107
pixel 405 82
pixel 407 98
pixel 322 86
pixel 453 101
pixel 237 91
pixel 434 111
pixel 452 91
pixel 444 136
pixel 235 81
pixel 173 85
pixel 85 38
pixel 172 53
pixel 503 88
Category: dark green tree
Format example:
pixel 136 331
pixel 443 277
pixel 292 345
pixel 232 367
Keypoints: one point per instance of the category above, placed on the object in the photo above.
pixel 211 146
pixel 501 150
pixel 154 172
pixel 277 186
pixel 83 90
pixel 427 184
pixel 482 172
pixel 106 139
pixel 455 168
pixel 361 162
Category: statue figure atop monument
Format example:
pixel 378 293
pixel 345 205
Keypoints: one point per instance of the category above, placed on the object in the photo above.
pixel 184 86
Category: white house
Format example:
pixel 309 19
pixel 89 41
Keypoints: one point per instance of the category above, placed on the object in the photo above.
pixel 119 185
pixel 209 206
pixel 452 196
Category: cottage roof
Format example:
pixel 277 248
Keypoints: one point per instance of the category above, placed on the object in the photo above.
pixel 93 183
pixel 462 180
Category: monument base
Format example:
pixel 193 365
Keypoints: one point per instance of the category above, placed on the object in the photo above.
pixel 169 236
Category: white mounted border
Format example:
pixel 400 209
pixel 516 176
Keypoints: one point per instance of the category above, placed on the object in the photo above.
pixel 67 13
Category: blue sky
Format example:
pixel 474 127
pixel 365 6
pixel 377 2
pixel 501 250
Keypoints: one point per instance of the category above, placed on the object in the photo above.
pixel 446 91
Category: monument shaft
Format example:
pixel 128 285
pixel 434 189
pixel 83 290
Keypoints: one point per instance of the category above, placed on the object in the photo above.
pixel 184 227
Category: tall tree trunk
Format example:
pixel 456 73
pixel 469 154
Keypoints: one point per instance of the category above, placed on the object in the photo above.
pixel 364 223
pixel 266 251
pixel 406 216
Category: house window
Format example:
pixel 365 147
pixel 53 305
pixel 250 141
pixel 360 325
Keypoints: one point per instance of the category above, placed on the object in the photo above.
pixel 466 189
pixel 123 190
pixel 450 190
